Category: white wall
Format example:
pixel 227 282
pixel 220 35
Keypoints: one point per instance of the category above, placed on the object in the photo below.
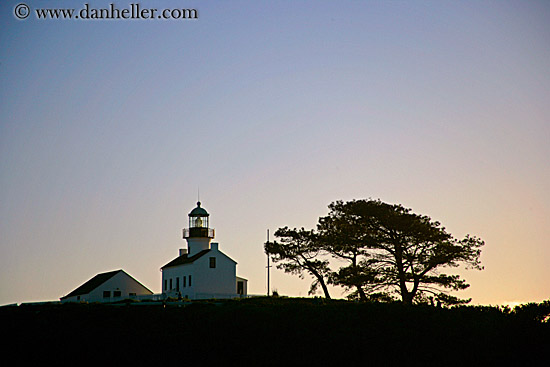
pixel 119 282
pixel 180 272
pixel 218 282
pixel 220 279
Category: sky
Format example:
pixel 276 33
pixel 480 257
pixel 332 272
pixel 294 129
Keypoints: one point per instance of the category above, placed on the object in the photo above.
pixel 109 129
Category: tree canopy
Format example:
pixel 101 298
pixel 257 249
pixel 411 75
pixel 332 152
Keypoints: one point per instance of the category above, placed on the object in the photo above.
pixel 297 252
pixel 388 251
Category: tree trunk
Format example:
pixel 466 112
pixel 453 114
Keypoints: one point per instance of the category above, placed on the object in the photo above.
pixel 325 289
pixel 321 281
pixel 406 297
pixel 362 295
pixel 413 292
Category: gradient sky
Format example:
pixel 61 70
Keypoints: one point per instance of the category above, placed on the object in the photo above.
pixel 273 109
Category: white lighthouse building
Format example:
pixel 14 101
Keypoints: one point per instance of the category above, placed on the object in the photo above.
pixel 201 271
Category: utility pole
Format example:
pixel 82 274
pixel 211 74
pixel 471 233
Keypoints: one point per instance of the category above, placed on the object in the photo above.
pixel 268 266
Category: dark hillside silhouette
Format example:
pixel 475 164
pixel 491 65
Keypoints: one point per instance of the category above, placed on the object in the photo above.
pixel 273 331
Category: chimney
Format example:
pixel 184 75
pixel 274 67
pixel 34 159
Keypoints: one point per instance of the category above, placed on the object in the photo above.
pixel 183 251
pixel 214 246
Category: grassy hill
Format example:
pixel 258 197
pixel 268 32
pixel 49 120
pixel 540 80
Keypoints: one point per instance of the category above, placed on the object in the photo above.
pixel 274 331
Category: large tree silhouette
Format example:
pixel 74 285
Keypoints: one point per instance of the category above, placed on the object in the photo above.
pixel 394 251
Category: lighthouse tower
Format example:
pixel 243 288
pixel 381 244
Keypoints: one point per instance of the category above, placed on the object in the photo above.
pixel 199 234
pixel 201 271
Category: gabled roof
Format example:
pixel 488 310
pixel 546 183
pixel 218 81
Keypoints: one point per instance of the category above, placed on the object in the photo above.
pixel 95 282
pixel 185 259
pixel 92 284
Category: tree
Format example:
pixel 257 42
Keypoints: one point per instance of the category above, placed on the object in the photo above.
pixel 347 244
pixel 298 252
pixel 396 251
pixel 539 312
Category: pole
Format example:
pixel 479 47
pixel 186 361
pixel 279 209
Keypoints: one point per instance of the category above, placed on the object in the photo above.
pixel 268 266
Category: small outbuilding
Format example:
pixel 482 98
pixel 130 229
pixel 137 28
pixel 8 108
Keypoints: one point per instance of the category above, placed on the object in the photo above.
pixel 108 287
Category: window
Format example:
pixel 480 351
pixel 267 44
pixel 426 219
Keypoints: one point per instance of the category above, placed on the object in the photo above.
pixel 165 284
pixel 170 283
pixel 106 294
pixel 177 283
pixel 190 280
pixel 212 262
pixel 116 293
pixel 240 288
pixel 184 281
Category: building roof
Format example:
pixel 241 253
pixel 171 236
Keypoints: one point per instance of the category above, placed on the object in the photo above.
pixel 95 282
pixel 198 211
pixel 185 259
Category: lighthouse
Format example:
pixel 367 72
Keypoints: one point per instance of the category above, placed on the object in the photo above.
pixel 201 270
pixel 199 235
